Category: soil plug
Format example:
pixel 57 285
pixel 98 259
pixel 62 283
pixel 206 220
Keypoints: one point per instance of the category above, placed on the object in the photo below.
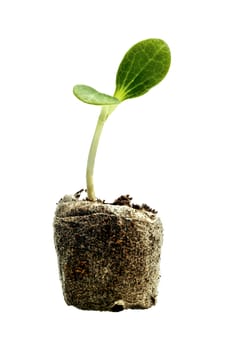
pixel 109 253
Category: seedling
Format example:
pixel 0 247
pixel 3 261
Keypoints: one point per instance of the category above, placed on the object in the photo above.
pixel 142 67
pixel 109 253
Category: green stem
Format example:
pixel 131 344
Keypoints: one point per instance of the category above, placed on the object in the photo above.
pixel 105 112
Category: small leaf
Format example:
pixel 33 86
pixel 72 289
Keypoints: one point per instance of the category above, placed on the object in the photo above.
pixel 142 67
pixel 89 95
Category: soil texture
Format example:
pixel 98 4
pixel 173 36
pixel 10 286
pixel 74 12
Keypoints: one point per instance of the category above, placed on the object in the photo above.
pixel 108 253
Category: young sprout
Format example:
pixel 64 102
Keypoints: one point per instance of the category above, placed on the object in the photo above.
pixel 142 67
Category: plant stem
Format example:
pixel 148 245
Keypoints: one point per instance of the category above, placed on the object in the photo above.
pixel 105 112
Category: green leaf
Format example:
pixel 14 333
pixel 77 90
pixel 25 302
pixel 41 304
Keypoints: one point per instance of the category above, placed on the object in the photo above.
pixel 142 67
pixel 89 95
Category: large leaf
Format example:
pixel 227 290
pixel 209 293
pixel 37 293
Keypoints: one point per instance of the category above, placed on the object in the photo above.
pixel 142 67
pixel 89 95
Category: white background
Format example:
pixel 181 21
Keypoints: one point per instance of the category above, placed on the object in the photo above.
pixel 171 148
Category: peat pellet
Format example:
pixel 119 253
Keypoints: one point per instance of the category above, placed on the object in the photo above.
pixel 108 254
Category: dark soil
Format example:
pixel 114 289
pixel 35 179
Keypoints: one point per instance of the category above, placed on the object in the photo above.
pixel 122 200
